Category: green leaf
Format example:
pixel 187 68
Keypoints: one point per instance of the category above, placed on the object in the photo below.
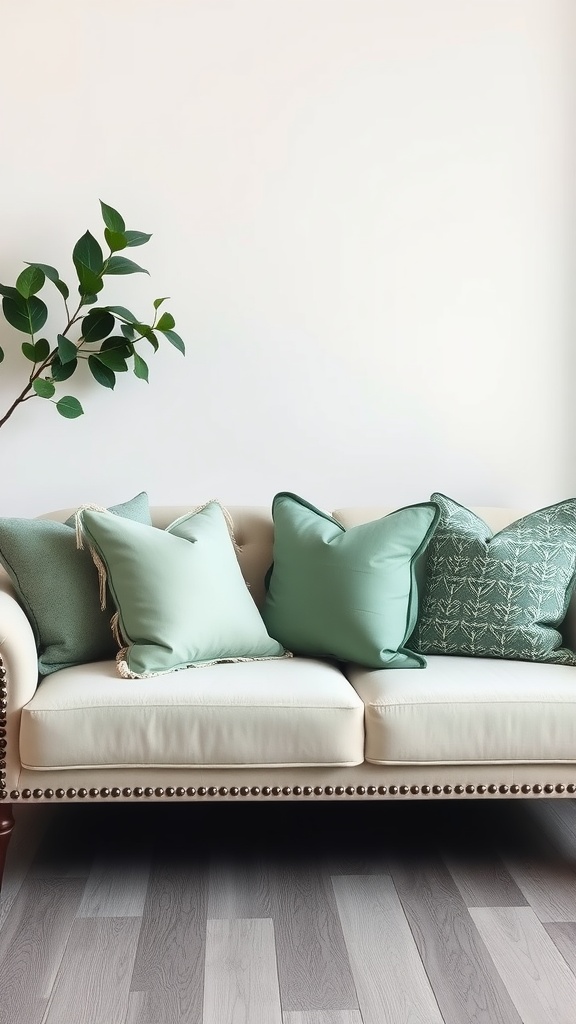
pixel 87 253
pixel 166 322
pixel 103 374
pixel 115 240
pixel 113 359
pixel 30 281
pixel 36 353
pixel 1 355
pixel 158 302
pixel 148 333
pixel 136 238
pixel 69 407
pixel 97 325
pixel 53 275
pixel 9 293
pixel 29 351
pixel 175 340
pixel 90 283
pixel 42 349
pixel 112 219
pixel 44 388
pixel 26 315
pixel 114 352
pixel 67 350
pixel 89 263
pixel 60 371
pixel 121 265
pixel 88 300
pixel 116 342
pixel 128 331
pixel 140 367
pixel 121 312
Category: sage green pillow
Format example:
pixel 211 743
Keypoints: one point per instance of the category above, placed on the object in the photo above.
pixel 498 595
pixel 347 594
pixel 57 588
pixel 179 593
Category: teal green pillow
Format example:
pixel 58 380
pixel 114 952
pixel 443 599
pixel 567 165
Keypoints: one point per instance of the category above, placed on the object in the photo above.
pixel 498 595
pixel 56 586
pixel 347 594
pixel 180 595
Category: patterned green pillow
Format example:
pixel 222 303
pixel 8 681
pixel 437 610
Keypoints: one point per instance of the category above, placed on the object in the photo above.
pixel 502 595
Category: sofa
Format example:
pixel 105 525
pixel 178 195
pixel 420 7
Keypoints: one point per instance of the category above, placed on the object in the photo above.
pixel 298 727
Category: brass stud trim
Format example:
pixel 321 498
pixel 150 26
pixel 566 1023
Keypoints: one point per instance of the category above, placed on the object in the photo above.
pixel 222 791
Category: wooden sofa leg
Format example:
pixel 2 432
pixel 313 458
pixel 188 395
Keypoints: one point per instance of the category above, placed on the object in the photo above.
pixel 6 826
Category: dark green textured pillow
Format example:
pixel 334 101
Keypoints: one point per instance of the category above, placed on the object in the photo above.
pixel 347 594
pixel 58 589
pixel 498 595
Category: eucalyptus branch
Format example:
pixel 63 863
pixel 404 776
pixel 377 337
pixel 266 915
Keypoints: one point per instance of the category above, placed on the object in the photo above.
pixel 105 352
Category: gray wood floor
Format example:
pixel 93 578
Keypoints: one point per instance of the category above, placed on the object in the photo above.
pixel 424 913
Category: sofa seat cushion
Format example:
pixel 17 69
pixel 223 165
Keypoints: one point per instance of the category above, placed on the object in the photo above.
pixel 469 711
pixel 297 711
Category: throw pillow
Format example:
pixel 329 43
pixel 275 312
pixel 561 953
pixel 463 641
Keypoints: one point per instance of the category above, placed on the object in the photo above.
pixel 180 595
pixel 347 594
pixel 56 586
pixel 502 595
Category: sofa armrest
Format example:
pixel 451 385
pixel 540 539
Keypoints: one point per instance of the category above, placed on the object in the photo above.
pixel 20 664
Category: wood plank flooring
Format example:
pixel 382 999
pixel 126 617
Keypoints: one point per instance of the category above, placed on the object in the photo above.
pixel 443 912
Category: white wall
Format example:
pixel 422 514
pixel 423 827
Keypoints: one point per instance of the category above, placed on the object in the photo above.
pixel 362 211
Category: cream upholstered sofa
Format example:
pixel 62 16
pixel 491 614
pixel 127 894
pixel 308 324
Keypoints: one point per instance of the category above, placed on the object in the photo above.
pixel 290 729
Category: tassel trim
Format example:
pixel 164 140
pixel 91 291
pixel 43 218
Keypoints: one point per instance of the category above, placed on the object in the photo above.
pixel 126 672
pixel 227 517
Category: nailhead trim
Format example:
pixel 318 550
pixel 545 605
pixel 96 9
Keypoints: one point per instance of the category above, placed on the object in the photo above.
pixel 222 791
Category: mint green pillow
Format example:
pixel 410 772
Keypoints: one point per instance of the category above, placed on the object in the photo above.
pixel 498 595
pixel 56 586
pixel 179 593
pixel 347 594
